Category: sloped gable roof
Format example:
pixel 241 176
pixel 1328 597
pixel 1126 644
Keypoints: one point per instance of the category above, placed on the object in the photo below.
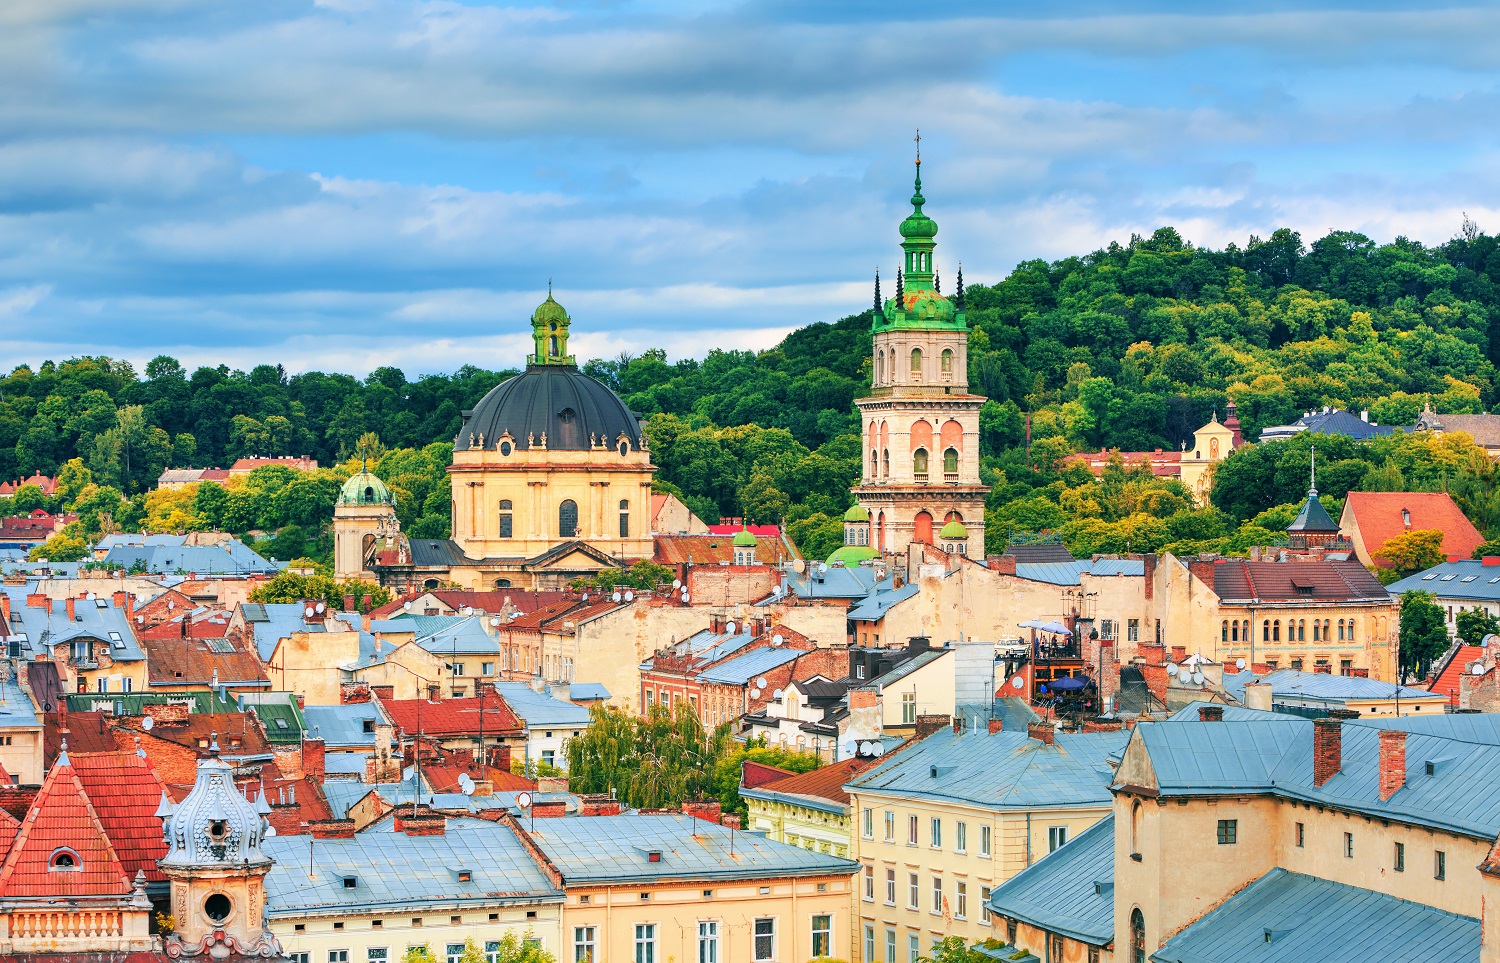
pixel 1381 516
pixel 61 817
pixel 125 793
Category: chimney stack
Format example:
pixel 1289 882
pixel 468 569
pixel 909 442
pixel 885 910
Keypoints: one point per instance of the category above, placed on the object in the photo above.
pixel 1258 696
pixel 1392 762
pixel 1043 731
pixel 1328 749
pixel 71 605
pixel 1210 713
pixel 312 758
pixel 927 725
pixel 995 726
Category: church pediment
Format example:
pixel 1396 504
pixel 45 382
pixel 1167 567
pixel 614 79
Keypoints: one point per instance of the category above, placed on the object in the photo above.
pixel 572 557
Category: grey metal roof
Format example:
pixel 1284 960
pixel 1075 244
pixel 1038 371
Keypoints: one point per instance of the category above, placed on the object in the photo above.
pixel 539 710
pixel 587 691
pixel 595 849
pixel 343 725
pixel 230 557
pixel 49 625
pixel 1014 713
pixel 1068 891
pixel 346 764
pixel 400 872
pixel 836 583
pixel 906 668
pixel 1003 770
pixel 455 635
pixel 16 709
pixel 876 604
pixel 1286 917
pixel 435 553
pixel 1070 573
pixel 1466 579
pixel 743 669
pixel 1189 713
pixel 1324 686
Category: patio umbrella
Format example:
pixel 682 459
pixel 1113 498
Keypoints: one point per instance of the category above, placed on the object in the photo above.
pixel 1056 628
pixel 1068 683
pixel 1029 624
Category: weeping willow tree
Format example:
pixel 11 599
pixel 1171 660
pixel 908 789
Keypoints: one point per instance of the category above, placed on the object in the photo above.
pixel 649 762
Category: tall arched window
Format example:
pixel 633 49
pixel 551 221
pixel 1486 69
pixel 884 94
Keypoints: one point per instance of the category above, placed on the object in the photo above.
pixel 922 528
pixel 506 525
pixel 552 346
pixel 1265 630
pixel 1302 630
pixel 624 518
pixel 879 366
pixel 886 462
pixel 1135 828
pixel 947 361
pixel 1137 937
pixel 919 463
pixel 916 363
pixel 874 464
pixel 1317 632
pixel 950 461
pixel 1276 631
pixel 1224 631
pixel 567 519
pixel 1341 630
pixel 1234 631
pixel 1327 630
pixel 1351 630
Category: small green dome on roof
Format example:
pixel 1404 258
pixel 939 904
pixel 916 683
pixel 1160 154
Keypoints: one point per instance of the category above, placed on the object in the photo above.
pixel 549 310
pixel 743 539
pixel 954 531
pixel 856 513
pixel 363 488
pixel 852 555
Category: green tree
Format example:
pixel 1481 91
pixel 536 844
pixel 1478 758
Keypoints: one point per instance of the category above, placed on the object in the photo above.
pixel 1411 552
pixel 292 587
pixel 728 767
pixel 1474 624
pixel 418 954
pixel 651 761
pixel 1424 633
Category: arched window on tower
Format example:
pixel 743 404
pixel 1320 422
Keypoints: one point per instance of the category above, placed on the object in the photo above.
pixel 567 519
pixel 506 525
pixel 1135 829
pixel 947 361
pixel 916 364
pixel 921 528
pixel 950 462
pixel 919 464
pixel 624 518
pixel 874 464
pixel 552 346
pixel 879 366
pixel 886 463
pixel 1137 937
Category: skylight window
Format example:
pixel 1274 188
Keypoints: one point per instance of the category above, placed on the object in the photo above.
pixel 1469 578
pixel 1429 578
pixel 1447 578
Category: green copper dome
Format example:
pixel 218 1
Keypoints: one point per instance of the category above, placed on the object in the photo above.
pixel 917 223
pixel 856 514
pixel 852 555
pixel 954 531
pixel 549 329
pixel 743 539
pixel 918 304
pixel 363 488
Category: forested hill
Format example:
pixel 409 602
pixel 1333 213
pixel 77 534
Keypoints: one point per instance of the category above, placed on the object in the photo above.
pixel 1133 346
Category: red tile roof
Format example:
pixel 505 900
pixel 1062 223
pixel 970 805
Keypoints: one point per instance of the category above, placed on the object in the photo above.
pixel 38 526
pixel 754 774
pixel 1447 680
pixel 1380 518
pixel 1297 580
pixel 173 660
pixel 303 463
pixel 825 782
pixel 714 549
pixel 62 817
pixel 451 717
pixel 125 792
pixel 46 483
pixel 734 527
pixel 1163 464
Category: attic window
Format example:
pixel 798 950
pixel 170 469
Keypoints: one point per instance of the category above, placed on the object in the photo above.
pixel 281 724
pixel 1429 578
pixel 465 876
pixel 100 603
pixel 1447 578
pixel 351 882
pixel 64 860
pixel 369 725
pixel 1469 578
pixel 654 856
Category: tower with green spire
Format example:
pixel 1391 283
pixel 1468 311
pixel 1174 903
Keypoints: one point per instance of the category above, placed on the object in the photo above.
pixel 918 303
pixel 549 329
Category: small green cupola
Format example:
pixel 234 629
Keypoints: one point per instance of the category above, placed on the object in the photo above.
pixel 549 329
pixel 363 488
pixel 918 302
pixel 744 545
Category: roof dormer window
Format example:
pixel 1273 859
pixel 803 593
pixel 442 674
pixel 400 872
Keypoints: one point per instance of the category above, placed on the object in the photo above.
pixel 64 860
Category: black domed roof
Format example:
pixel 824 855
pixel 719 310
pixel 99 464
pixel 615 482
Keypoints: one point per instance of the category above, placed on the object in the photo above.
pixel 573 410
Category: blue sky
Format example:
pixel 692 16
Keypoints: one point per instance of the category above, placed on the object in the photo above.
pixel 349 183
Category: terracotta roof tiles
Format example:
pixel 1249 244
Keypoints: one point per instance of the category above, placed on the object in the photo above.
pixel 62 818
pixel 1296 580
pixel 1381 516
pixel 825 782
pixel 125 792
pixel 451 717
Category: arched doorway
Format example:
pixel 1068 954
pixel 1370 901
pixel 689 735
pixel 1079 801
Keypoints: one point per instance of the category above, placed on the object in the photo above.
pixel 922 528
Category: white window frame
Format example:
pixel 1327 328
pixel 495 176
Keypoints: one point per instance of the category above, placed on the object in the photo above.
pixel 584 944
pixel 913 891
pixel 960 899
pixel 869 883
pixel 911 829
pixel 377 954
pixel 867 824
pixel 708 941
pixel 1057 838
pixel 937 832
pixel 827 934
pixel 937 895
pixel 645 943
pixel 755 937
pixel 984 842
pixel 961 837
pixel 890 826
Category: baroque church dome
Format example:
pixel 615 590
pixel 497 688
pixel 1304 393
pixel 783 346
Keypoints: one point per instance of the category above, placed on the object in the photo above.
pixel 551 404
pixel 214 825
pixel 363 488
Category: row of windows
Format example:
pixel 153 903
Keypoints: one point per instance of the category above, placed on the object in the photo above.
pixel 763 946
pixel 1057 836
pixel 567 518
pixel 454 953
pixel 1236 630
pixel 880 466
pixel 914 893
pixel 945 363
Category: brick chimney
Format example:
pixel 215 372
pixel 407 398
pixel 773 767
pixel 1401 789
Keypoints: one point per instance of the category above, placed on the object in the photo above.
pixel 995 726
pixel 348 602
pixel 1179 654
pixel 1392 762
pixel 424 824
pixel 1258 696
pixel 705 809
pixel 36 600
pixel 331 828
pixel 71 604
pixel 1210 713
pixel 599 804
pixel 1328 749
pixel 730 821
pixel 549 809
pixel 862 698
pixel 313 751
pixel 1043 731
pixel 1202 569
pixel 1002 564
pixel 122 601
pixel 1148 563
pixel 927 725
pixel 383 692
pixel 5 607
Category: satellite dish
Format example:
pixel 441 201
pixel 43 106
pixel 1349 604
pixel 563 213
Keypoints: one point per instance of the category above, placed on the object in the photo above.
pixel 850 747
pixel 1478 668
pixel 684 595
pixel 307 612
pixel 1197 678
pixel 171 605
pixel 1171 668
pixel 1239 663
pixel 799 566
pixel 630 596
pixel 864 748
pixel 877 748
pixel 465 784
pixel 777 639
pixel 406 605
pixel 148 723
pixel 1017 683
pixel 776 694
pixel 495 619
pixel 270 831
pixel 677 583
pixel 729 627
pixel 91 596
pixel 321 608
pixel 822 568
pixel 755 693
pixel 616 596
pixel 524 800
pixel 468 610
pixel 761 682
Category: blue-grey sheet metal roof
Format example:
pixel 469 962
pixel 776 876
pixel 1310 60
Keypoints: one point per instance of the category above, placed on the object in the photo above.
pixel 741 670
pixel 343 725
pixel 225 558
pixel 904 669
pixel 539 709
pixel 107 542
pixel 459 636
pixel 1068 891
pixel 403 872
pixel 1189 713
pixel 1204 757
pixel 876 604
pixel 1448 580
pixel 346 764
pixel 400 625
pixel 587 691
pixel 1003 770
pixel 598 849
pixel 280 620
pixel 49 626
pixel 1323 686
pixel 344 793
pixel 836 583
pixel 1070 573
pixel 1309 919
pixel 1014 714
pixel 16 708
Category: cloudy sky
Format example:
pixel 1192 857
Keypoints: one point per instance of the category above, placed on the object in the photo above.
pixel 349 183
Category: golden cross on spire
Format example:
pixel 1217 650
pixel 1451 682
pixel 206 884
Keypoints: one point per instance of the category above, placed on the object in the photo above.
pixel 918 139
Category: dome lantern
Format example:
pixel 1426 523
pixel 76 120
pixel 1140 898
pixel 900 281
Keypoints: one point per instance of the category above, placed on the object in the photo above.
pixel 549 329
pixel 363 488
pixel 214 825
